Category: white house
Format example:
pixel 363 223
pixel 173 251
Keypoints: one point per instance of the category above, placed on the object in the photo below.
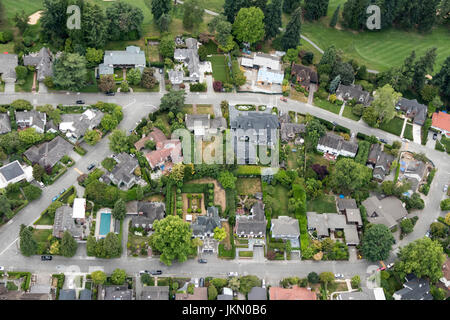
pixel 14 172
pixel 337 146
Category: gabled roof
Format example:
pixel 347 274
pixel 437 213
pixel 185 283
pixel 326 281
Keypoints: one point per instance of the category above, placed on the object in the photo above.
pixel 118 293
pixel 285 226
pixel 132 55
pixel 11 171
pixel 64 222
pixel 206 224
pixel 67 294
pixel 325 221
pixel 85 294
pixel 38 119
pixel 441 120
pixel 354 92
pixel 42 60
pixel 5 125
pixel 334 141
pixel 344 204
pixel 176 77
pixel 155 293
pixel 148 212
pixel 49 153
pixel 254 224
pixel 123 172
pixel 257 293
pixel 270 76
pixel 413 109
pixel 200 293
pixel 295 293
pixel 414 289
pixel 387 211
pixel 304 74
pixel 8 64
pixel 78 124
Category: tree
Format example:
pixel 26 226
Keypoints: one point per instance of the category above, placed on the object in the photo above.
pixel 326 278
pixel 94 27
pixel 119 211
pixel 173 101
pixel 38 172
pixel 239 78
pixel 423 67
pixel 68 245
pixel 354 14
pixel 193 13
pixel 124 87
pixel 437 293
pixel 335 17
pixel 356 280
pixel 108 122
pixel 414 202
pixel 94 56
pixel 227 180
pixel 335 84
pixel 272 19
pixel 30 136
pixel 134 76
pixel 172 238
pixel 291 55
pixel 442 80
pixel 160 7
pixel 70 71
pixel 118 141
pixel 350 175
pixel 98 277
pixel 92 137
pixel 315 9
pixel 125 21
pixel 232 7
pixel 220 234
pixel 112 245
pixel 423 257
pixel 246 283
pixel 28 246
pixel 234 283
pixel 107 83
pixel 32 192
pixel 177 173
pixel 385 100
pixel 445 204
pixel 249 25
pixel 290 5
pixel 21 21
pixel 377 242
pixel 91 244
pixel 313 277
pixel 313 188
pixel 53 21
pixel 291 38
pixel 345 70
pixel 148 80
pixel 21 72
pixel 118 276
pixel 370 116
pixel 314 131
pixel 438 230
pixel 163 22
pixel 212 292
pixel 407 226
pixel 167 47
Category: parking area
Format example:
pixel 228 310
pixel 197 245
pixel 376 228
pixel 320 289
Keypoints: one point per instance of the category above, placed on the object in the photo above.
pixel 417 133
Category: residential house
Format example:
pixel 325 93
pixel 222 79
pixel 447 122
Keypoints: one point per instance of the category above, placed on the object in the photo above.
pixel 344 204
pixel 75 125
pixel 49 153
pixel 356 92
pixel 155 293
pixel 31 119
pixel 412 170
pixel 176 77
pixel 252 130
pixel 79 209
pixel 254 225
pixel 167 153
pixel 305 76
pixel 189 57
pixel 85 294
pixel 388 211
pixel 227 294
pixel 156 135
pixel 349 208
pixel 413 109
pixel 145 213
pixel 42 61
pixel 414 289
pixel 286 228
pixel 131 57
pixel 257 293
pixel 8 64
pixel 200 293
pixel 14 172
pixel 67 294
pixel 5 124
pixel 65 222
pixel 294 293
pixel 380 162
pixel 117 293
pixel 291 132
pixel 337 146
pixel 441 121
pixel 269 76
pixel 326 223
pixel 122 174
pixel 202 124
pixel 203 227
pixel 262 60
pixel 364 294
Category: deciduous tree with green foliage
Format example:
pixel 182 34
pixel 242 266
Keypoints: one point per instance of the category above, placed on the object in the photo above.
pixel 249 25
pixel 68 245
pixel 167 47
pixel 173 101
pixel 98 277
pixel 377 242
pixel 119 211
pixel 193 13
pixel 28 246
pixel 349 175
pixel 227 180
pixel 220 234
pixel 125 21
pixel 70 71
pixel 272 19
pixel 385 100
pixel 92 137
pixel 118 276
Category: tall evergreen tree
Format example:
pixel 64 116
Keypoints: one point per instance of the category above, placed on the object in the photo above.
pixel 315 9
pixel 272 19
pixel 232 7
pixel 28 245
pixel 423 67
pixel 94 26
pixel 354 14
pixel 291 38
pixel 427 14
pixel 290 5
pixel 442 80
pixel 54 21
pixel 335 17
pixel 68 245
pixel 160 7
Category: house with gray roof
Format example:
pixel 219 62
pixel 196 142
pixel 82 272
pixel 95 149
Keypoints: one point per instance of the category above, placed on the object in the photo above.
pixel 123 173
pixel 67 294
pixel 388 211
pixel 117 293
pixel 412 170
pixel 155 293
pixel 291 131
pixel 203 125
pixel 257 293
pixel 85 294
pixel 337 146
pixel 145 213
pixel 31 119
pixel 326 223
pixel 5 124
pixel 65 222
pixel 203 227
pixel 413 109
pixel 356 92
pixel 344 204
pixel 254 225
pixel 176 77
pixel 49 153
pixel 414 289
pixel 131 57
pixel 379 161
pixel 189 56
pixel 286 228
pixel 42 61
pixel 13 172
pixel 363 294
pixel 75 125
pixel 8 64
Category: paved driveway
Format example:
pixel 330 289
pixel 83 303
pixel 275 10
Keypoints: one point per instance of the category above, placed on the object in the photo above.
pixel 10 87
pixel 258 254
pixel 417 133
pixel 431 143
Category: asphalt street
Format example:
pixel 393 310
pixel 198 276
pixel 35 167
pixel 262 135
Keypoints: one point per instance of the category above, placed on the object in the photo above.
pixel 137 106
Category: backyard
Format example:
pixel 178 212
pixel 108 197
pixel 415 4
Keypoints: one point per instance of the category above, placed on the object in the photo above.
pixel 220 68
pixel 323 204
pixel 248 186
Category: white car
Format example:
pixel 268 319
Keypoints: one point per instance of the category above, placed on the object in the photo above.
pixel 390 265
pixel 232 274
pixel 2 268
pixel 339 276
pixel 263 283
pixel 196 282
pixel 446 188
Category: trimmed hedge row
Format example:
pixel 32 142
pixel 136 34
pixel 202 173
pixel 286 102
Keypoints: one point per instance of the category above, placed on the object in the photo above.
pixel 26 282
pixel 363 152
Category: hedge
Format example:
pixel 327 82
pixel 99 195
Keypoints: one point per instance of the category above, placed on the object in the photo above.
pixel 300 214
pixel 26 282
pixel 61 278
pixel 363 152
pixel 248 170
pixel 339 128
pixel 79 150
pixel 157 64
pixel 246 254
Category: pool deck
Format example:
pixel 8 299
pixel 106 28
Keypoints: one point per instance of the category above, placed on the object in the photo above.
pixel 98 220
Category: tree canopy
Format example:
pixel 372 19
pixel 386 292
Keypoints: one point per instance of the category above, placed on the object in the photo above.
pixel 377 242
pixel 249 25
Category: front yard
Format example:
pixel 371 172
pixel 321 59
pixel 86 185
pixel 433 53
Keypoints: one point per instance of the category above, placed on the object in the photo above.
pixel 394 126
pixel 221 72
pixel 324 104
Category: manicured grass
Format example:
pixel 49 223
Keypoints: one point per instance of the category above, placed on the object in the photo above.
pixel 248 186
pixel 408 134
pixel 322 204
pixel 246 254
pixel 11 7
pixel 153 53
pixel 220 68
pixel 299 96
pixel 394 126
pixel 109 164
pixel 27 86
pixel 41 235
pixel 349 114
pixel 45 220
pixel 280 207
pixel 201 109
pixel 327 105
pixel 214 5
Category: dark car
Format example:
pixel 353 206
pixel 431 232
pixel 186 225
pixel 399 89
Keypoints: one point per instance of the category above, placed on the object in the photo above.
pixel 55 198
pixel 435 136
pixel 201 282
pixel 110 93
pixel 202 261
pixel 156 272
pixel 91 166
pixel 46 258
pixel 80 102
pixel 335 123
pixel 383 140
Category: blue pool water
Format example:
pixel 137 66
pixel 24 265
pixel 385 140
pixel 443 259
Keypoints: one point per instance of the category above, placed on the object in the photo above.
pixel 105 224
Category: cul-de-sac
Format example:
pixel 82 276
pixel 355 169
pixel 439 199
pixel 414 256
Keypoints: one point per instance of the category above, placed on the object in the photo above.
pixel 224 150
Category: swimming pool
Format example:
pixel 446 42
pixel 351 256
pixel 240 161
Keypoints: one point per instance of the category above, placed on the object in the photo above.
pixel 105 224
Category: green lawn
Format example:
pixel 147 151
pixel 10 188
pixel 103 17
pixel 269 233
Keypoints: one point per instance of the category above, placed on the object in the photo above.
pixel 27 86
pixel 323 204
pixel 280 206
pixel 394 126
pixel 324 104
pixel 248 186
pixel 11 7
pixel 41 235
pixel 220 68
pixel 349 114
pixel 201 109
pixel 408 134
pixel 148 17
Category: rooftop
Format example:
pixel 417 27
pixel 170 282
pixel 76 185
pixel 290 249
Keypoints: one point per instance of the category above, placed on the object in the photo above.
pixel 295 293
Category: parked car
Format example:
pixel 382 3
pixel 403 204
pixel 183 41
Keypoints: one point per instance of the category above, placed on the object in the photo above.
pixel 161 71
pixel 63 190
pixel 110 93
pixel 41 184
pixel 91 166
pixel 381 268
pixel 284 99
pixel 339 276
pixel 202 261
pixel 196 282
pixel 446 188
pixel 263 283
pixel 144 272
pixel 46 258
pixel 156 272
pixel 390 265
pixel 2 268
pixel 202 282
pixel 383 140
pixel 435 136
pixel 80 102
pixel 428 234
pixel 55 198
pixel 232 274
